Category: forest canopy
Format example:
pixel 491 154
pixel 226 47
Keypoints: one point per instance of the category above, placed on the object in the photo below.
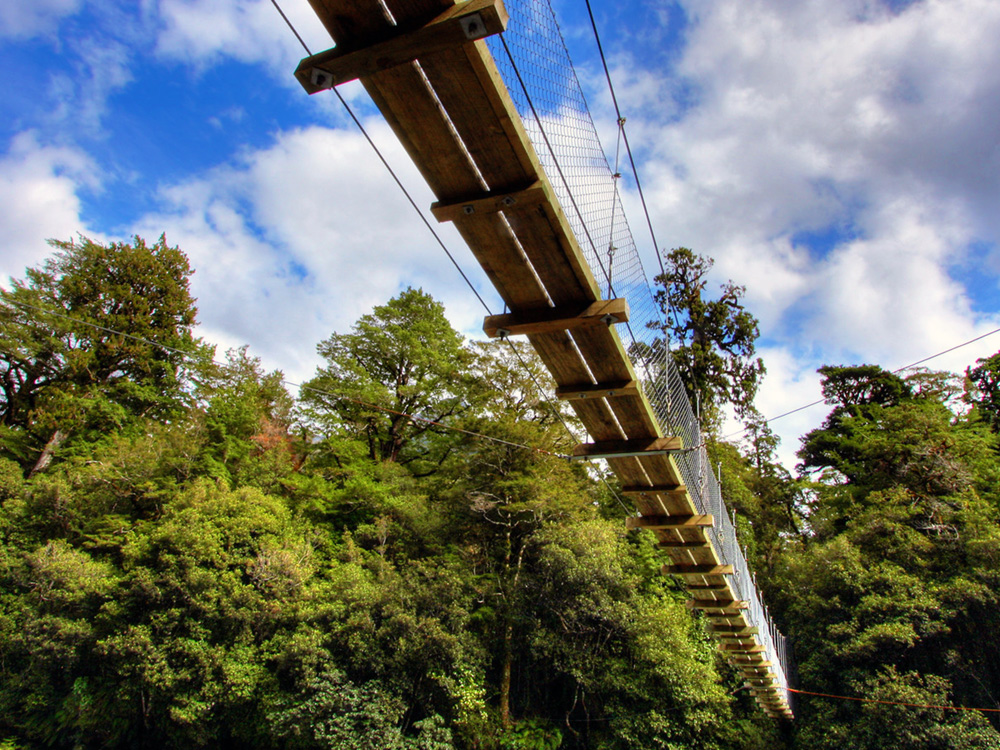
pixel 192 556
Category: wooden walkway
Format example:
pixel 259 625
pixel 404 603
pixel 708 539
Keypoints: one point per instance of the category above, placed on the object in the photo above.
pixel 437 85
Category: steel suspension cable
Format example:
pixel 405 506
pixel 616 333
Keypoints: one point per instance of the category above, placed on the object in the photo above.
pixel 628 148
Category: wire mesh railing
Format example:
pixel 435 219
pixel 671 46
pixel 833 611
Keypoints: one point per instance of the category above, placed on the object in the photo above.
pixel 535 64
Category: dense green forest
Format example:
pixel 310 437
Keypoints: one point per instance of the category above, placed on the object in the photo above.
pixel 397 557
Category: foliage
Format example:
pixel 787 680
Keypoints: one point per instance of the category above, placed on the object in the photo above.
pixel 98 334
pixel 403 359
pixel 217 565
pixel 898 580
pixel 983 392
pixel 711 340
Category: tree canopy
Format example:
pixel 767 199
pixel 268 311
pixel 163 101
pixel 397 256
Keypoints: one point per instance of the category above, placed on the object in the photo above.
pixel 711 341
pixel 208 561
pixel 95 336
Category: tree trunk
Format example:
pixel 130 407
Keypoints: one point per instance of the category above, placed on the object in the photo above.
pixel 508 658
pixel 47 452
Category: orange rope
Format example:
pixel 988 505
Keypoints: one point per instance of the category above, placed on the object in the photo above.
pixel 894 703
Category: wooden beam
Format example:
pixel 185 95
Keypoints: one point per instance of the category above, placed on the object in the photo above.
pixel 656 489
pixel 707 587
pixel 599 390
pixel 718 603
pixel 700 570
pixel 740 629
pixel 462 23
pixel 683 545
pixel 726 618
pixel 627 448
pixel 492 202
pixel 550 319
pixel 736 648
pixel 669 522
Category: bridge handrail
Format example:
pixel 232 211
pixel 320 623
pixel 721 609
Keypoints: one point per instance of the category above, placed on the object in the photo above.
pixel 544 86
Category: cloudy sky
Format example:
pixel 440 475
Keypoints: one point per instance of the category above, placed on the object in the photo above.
pixel 841 158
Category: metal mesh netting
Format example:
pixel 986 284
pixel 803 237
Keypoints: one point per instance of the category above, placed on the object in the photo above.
pixel 535 65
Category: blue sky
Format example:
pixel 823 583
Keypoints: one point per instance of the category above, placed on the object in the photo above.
pixel 841 158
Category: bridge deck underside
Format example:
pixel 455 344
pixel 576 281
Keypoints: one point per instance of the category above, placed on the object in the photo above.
pixel 453 113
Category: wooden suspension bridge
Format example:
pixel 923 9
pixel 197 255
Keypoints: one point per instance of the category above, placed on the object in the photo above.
pixel 427 68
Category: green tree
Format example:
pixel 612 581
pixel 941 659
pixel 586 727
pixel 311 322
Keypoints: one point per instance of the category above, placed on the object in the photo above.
pixel 887 595
pixel 247 420
pixel 711 341
pixel 98 334
pixel 983 393
pixel 402 359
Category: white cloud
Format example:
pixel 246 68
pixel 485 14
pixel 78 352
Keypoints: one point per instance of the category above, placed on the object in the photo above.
pixel 199 32
pixel 806 111
pixel 834 116
pixel 26 19
pixel 38 200
pixel 787 387
pixel 102 67
pixel 302 238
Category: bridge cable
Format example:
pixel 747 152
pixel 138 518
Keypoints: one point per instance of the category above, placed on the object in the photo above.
pixel 562 176
pixel 894 372
pixel 322 391
pixel 392 172
pixel 623 136
pixel 437 237
pixel 615 200
pixel 628 148
pixel 893 703
pixel 555 161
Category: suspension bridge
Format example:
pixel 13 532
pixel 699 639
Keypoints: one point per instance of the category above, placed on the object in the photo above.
pixel 486 102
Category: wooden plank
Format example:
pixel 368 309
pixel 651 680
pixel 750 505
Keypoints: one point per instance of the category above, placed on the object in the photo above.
pixel 502 259
pixel 600 313
pixel 563 361
pixel 683 544
pixel 491 129
pixel 612 448
pixel 699 570
pixel 671 490
pixel 738 629
pixel 599 390
pixel 458 25
pixel 728 619
pixel 402 94
pixel 555 255
pixel 708 587
pixel 735 648
pixel 491 202
pixel 669 522
pixel 718 603
pixel 607 359
pixel 548 224
pixel 415 116
pixel 761 682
